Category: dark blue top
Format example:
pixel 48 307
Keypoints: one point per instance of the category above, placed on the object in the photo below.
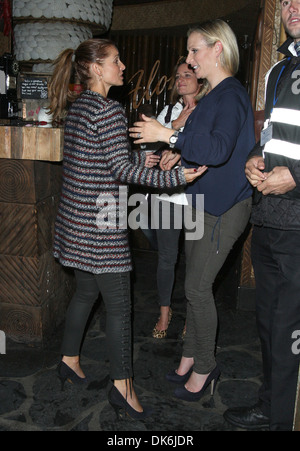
pixel 220 134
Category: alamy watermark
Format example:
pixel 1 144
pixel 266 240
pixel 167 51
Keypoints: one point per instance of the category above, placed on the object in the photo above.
pixel 113 213
pixel 2 342
pixel 296 344
pixel 296 84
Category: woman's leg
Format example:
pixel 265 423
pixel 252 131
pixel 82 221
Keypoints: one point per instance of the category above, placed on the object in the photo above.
pixel 116 292
pixel 204 259
pixel 168 242
pixel 79 310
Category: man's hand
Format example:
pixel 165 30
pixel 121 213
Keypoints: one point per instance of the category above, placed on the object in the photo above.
pixel 254 171
pixel 278 181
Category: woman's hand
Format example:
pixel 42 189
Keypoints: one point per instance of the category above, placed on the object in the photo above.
pixel 150 131
pixel 151 160
pixel 178 123
pixel 169 160
pixel 192 174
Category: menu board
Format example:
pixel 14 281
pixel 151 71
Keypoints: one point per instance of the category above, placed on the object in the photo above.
pixel 34 87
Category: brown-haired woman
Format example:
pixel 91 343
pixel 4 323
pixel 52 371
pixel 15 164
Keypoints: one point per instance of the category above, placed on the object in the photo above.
pixel 97 161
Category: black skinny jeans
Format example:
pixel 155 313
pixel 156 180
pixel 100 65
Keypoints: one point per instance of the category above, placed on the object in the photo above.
pixel 115 291
pixel 168 248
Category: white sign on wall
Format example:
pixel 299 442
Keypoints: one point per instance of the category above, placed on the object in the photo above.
pixel 2 342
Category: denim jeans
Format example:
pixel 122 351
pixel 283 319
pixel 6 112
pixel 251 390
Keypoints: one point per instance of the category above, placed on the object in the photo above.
pixel 204 259
pixel 115 291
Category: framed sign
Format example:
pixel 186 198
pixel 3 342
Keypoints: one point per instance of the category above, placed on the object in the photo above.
pixel 34 87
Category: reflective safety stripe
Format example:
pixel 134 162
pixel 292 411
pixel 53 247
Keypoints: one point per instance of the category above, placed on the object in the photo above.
pixel 286 116
pixel 284 148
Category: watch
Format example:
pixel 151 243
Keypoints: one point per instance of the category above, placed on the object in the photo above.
pixel 173 140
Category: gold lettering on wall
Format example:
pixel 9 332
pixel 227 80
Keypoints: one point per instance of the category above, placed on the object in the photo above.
pixel 140 93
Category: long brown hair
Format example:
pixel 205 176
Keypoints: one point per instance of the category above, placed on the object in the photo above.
pixel 74 63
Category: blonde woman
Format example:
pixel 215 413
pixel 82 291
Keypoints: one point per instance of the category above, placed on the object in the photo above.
pixel 220 134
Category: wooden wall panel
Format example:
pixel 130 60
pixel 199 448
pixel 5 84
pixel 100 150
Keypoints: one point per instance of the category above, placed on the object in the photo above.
pixel 31 143
pixel 21 323
pixel 27 230
pixel 31 281
pixel 34 288
pixel 34 296
pixel 16 180
pixel 26 280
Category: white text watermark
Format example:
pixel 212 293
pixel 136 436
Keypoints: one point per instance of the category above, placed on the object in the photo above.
pixel 2 342
pixel 113 213
pixel 296 344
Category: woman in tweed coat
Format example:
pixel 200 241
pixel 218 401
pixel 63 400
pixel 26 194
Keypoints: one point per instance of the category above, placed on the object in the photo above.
pixel 97 163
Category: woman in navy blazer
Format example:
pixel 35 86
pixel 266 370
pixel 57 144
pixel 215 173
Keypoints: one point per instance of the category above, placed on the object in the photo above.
pixel 220 135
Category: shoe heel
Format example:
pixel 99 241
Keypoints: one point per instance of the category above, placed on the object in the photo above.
pixel 122 408
pixel 214 383
pixel 213 387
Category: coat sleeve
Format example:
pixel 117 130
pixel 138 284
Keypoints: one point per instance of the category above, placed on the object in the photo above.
pixel 114 142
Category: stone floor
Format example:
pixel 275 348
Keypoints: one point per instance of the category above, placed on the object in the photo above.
pixel 30 394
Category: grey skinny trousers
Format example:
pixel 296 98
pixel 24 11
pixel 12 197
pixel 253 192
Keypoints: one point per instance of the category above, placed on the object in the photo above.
pixel 115 290
pixel 204 259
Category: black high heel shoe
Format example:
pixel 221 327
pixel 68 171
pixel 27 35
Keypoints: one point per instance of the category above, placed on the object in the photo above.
pixel 65 373
pixel 119 404
pixel 177 379
pixel 212 379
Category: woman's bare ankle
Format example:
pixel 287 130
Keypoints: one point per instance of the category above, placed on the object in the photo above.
pixel 126 389
pixel 185 366
pixel 74 364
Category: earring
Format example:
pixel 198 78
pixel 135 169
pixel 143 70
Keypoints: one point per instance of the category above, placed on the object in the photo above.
pixel 217 65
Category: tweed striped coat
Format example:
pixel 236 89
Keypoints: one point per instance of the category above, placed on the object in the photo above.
pixel 97 161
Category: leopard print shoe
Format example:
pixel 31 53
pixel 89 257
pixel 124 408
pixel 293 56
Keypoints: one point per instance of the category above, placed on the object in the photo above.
pixel 160 334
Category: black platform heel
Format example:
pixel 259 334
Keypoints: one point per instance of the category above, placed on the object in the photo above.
pixel 120 406
pixel 212 379
pixel 176 379
pixel 65 373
